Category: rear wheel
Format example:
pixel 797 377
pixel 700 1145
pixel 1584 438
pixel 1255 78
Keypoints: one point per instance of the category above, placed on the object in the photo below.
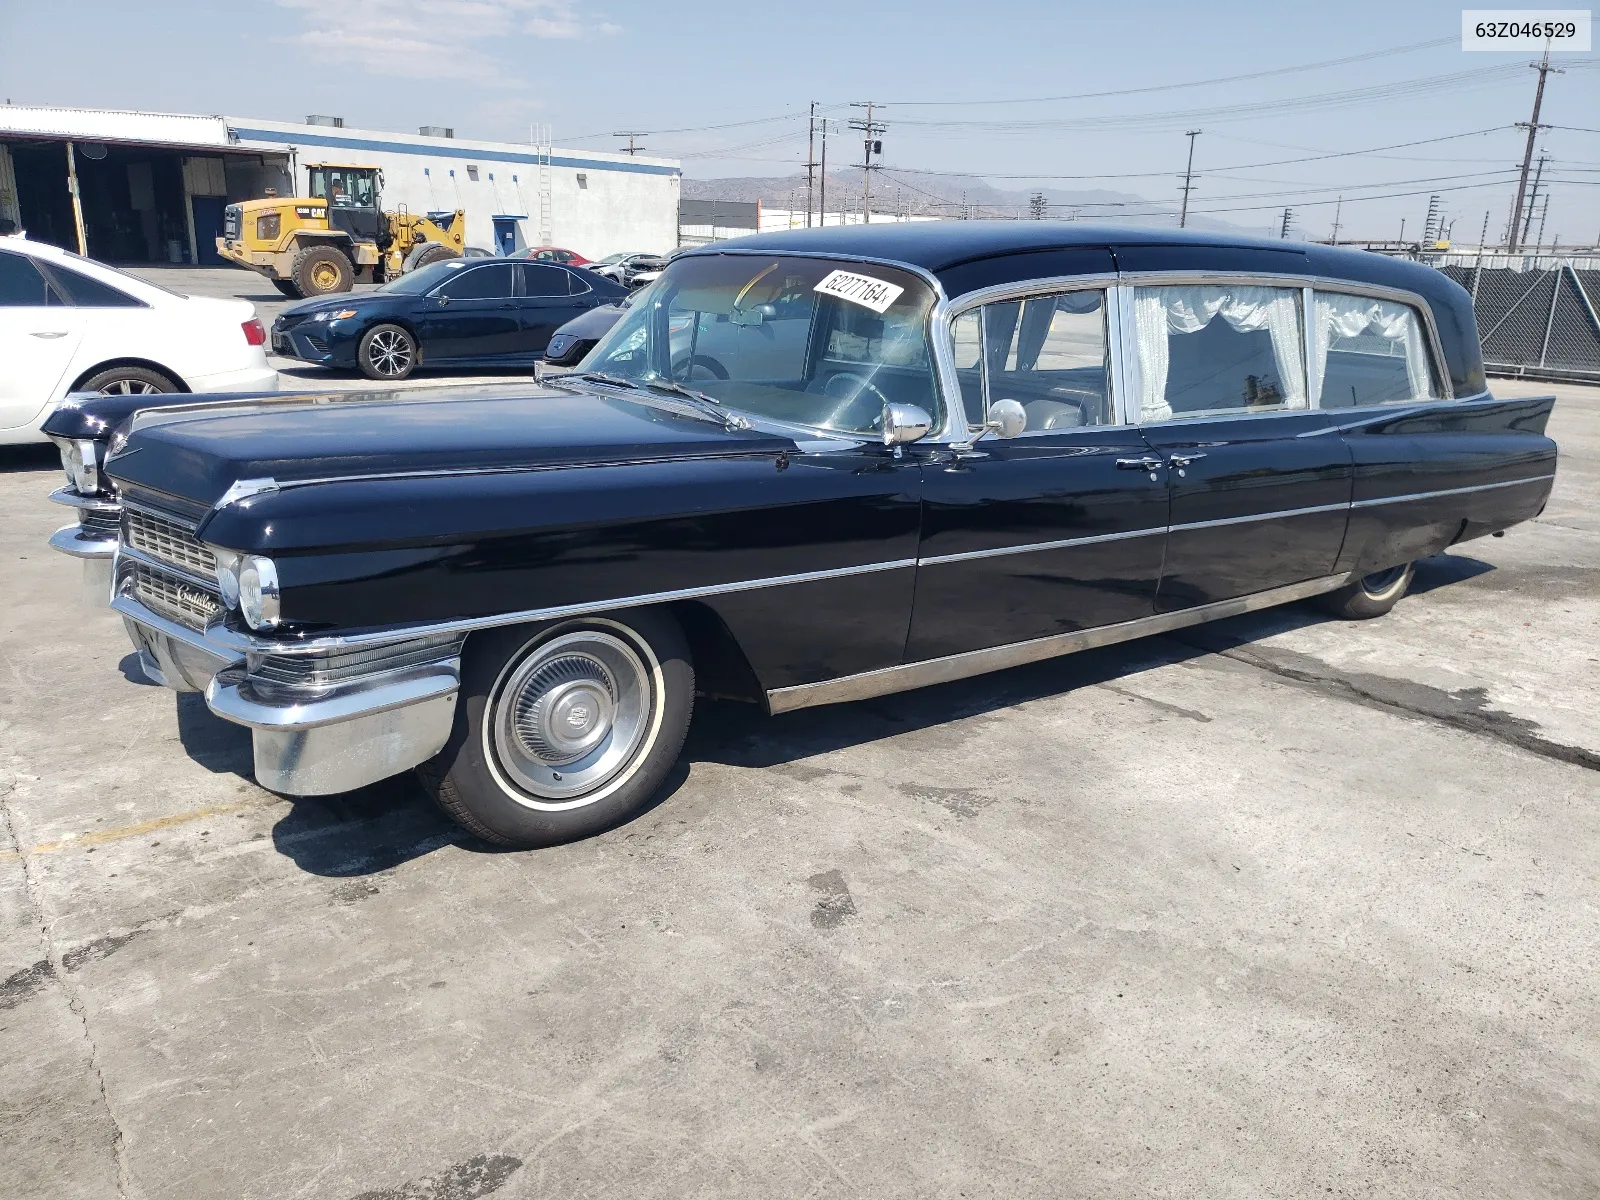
pixel 427 252
pixel 565 730
pixel 387 352
pixel 287 287
pixel 1371 595
pixel 320 270
pixel 128 381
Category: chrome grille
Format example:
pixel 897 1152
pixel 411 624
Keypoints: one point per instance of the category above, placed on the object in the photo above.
pixel 168 541
pixel 176 599
pixel 99 524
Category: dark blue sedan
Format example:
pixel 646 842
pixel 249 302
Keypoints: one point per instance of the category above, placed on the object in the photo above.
pixel 460 313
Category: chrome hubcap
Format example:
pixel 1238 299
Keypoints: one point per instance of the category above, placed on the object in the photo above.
pixel 389 351
pixel 571 717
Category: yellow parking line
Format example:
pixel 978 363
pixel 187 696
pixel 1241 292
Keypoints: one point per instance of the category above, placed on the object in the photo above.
pixel 99 837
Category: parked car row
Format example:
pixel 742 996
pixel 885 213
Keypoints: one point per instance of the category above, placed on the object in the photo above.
pixel 68 324
pixel 803 468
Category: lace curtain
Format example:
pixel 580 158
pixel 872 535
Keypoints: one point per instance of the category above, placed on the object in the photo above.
pixel 1160 312
pixel 1339 315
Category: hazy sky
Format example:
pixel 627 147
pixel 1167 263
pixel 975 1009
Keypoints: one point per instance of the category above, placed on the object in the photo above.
pixel 491 67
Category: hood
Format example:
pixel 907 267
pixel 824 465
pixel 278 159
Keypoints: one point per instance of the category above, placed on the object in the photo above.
pixel 197 454
pixel 329 303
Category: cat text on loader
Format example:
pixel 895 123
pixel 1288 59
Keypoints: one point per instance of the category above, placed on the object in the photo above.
pixel 310 246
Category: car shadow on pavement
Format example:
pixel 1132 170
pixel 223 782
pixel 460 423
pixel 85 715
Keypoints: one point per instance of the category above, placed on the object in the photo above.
pixel 29 458
pixel 377 828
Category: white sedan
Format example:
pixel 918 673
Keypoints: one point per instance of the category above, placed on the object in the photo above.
pixel 71 325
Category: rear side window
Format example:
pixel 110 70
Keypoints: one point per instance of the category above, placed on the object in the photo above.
pixel 91 293
pixel 1369 352
pixel 1218 351
pixel 492 282
pixel 22 286
pixel 538 279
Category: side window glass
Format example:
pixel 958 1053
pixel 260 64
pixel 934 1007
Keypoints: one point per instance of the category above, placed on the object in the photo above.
pixel 21 285
pixel 541 280
pixel 1369 352
pixel 1218 350
pixel 91 293
pixel 966 337
pixel 481 283
pixel 1050 354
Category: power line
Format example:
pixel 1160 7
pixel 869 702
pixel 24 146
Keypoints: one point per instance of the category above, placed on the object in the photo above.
pixel 1169 87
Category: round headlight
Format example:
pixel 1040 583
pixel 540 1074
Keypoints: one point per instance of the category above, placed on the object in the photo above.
pixel 80 460
pixel 228 575
pixel 258 592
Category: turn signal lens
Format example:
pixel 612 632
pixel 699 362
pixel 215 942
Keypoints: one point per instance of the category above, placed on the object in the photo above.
pixel 254 333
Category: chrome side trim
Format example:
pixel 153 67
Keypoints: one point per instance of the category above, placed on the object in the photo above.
pixel 400 633
pixel 72 499
pixel 980 662
pixel 1032 547
pixel 1460 491
pixel 1342 506
pixel 69 539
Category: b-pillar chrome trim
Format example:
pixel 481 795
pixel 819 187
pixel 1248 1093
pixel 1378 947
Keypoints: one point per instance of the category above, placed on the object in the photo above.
pixel 907 676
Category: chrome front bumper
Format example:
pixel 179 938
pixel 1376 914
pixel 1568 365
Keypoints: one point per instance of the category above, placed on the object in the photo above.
pixel 94 545
pixel 309 739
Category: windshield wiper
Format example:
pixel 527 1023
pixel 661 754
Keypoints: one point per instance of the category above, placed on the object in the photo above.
pixel 700 402
pixel 613 380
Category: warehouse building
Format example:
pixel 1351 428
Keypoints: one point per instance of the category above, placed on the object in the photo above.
pixel 141 187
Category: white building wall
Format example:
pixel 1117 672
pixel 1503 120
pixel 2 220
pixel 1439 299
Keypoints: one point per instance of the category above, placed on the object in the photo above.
pixel 621 203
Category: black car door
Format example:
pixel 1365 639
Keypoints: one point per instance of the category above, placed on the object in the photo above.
pixel 1259 481
pixel 472 315
pixel 546 302
pixel 1054 531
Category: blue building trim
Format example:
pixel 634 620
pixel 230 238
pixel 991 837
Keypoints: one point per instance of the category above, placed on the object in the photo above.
pixel 466 154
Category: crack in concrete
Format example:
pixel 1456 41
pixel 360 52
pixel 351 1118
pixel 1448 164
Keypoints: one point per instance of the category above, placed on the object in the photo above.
pixel 53 967
pixel 1466 709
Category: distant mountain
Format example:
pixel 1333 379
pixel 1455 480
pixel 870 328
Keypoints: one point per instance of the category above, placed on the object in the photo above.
pixel 916 194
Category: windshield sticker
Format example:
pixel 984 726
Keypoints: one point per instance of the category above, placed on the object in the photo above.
pixel 876 294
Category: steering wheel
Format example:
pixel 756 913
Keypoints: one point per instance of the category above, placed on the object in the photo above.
pixel 858 386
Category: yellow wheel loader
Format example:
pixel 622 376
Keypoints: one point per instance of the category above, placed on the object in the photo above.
pixel 310 246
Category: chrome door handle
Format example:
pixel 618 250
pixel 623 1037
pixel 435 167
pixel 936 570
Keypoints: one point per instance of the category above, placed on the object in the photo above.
pixel 50 333
pixel 1183 460
pixel 1147 463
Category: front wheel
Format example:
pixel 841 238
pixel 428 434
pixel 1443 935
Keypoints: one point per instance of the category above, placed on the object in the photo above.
pixel 386 352
pixel 565 730
pixel 287 287
pixel 128 381
pixel 1371 595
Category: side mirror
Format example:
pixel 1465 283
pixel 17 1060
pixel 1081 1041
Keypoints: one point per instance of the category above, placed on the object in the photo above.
pixel 1007 418
pixel 904 423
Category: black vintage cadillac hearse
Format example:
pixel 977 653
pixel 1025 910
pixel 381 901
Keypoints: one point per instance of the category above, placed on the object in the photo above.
pixel 802 468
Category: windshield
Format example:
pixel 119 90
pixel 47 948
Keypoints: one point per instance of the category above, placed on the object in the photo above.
pixel 611 258
pixel 806 341
pixel 423 278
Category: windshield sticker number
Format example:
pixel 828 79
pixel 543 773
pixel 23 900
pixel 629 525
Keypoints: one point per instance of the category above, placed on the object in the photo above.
pixel 876 294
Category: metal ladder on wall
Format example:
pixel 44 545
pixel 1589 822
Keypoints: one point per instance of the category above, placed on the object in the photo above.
pixel 542 135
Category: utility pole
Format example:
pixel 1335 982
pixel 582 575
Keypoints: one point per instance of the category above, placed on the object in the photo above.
pixel 1544 212
pixel 1338 207
pixel 1430 227
pixel 1188 178
pixel 1532 126
pixel 630 148
pixel 822 196
pixel 1288 217
pixel 811 154
pixel 871 132
pixel 1533 197
pixel 1402 241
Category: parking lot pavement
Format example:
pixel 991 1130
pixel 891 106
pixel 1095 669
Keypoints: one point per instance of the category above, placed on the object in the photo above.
pixel 1278 907
pixel 235 283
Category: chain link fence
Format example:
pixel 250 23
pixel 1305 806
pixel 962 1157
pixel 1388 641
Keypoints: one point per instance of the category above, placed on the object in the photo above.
pixel 1537 316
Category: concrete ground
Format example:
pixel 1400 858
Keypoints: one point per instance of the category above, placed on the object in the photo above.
pixel 1278 907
